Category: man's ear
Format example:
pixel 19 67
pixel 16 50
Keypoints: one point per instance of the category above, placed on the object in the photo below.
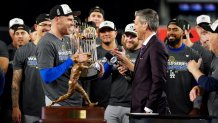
pixel 145 26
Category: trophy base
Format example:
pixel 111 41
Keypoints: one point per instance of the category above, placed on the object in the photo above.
pixel 58 114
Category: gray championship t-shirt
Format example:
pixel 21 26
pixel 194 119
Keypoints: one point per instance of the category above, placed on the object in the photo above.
pixel 121 87
pixel 52 52
pixel 100 89
pixel 206 56
pixel 32 94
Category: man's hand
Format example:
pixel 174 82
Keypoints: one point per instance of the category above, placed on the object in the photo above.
pixel 16 115
pixel 122 69
pixel 195 92
pixel 81 57
pixel 121 55
pixel 187 41
pixel 123 59
pixel 193 65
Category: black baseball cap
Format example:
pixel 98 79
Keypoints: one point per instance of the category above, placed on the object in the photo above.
pixel 212 27
pixel 42 17
pixel 182 23
pixel 96 9
pixel 22 27
pixel 62 10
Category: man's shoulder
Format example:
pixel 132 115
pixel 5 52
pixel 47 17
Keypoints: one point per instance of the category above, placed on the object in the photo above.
pixel 11 47
pixel 99 48
pixel 27 46
pixel 48 37
pixel 157 44
pixel 191 51
pixel 3 50
pixel 66 38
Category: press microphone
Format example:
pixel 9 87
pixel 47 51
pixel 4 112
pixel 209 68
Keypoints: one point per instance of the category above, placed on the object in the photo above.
pixel 113 61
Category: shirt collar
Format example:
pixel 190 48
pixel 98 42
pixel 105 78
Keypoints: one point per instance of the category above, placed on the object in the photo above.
pixel 147 40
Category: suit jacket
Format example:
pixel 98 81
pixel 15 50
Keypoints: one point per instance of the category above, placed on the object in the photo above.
pixel 149 77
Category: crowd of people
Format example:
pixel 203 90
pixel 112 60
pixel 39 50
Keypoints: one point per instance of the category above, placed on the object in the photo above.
pixel 174 77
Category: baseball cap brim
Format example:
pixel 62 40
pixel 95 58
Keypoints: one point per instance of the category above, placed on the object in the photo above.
pixel 132 33
pixel 22 27
pixel 203 24
pixel 105 27
pixel 207 27
pixel 74 13
pixel 15 26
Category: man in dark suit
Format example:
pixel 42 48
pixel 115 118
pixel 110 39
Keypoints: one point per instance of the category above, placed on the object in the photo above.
pixel 151 65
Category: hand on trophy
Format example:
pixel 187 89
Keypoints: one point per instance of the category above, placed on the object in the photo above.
pixel 81 57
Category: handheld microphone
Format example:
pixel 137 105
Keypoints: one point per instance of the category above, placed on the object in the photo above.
pixel 112 59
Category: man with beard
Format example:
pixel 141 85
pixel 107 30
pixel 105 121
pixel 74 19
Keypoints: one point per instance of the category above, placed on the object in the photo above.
pixel 27 82
pixel 120 97
pixel 179 80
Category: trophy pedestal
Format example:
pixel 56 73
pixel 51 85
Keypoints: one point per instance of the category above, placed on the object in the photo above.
pixel 60 114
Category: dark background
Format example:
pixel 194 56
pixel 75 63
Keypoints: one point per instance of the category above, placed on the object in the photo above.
pixel 121 12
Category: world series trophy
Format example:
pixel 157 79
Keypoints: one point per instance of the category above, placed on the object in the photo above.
pixel 82 41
